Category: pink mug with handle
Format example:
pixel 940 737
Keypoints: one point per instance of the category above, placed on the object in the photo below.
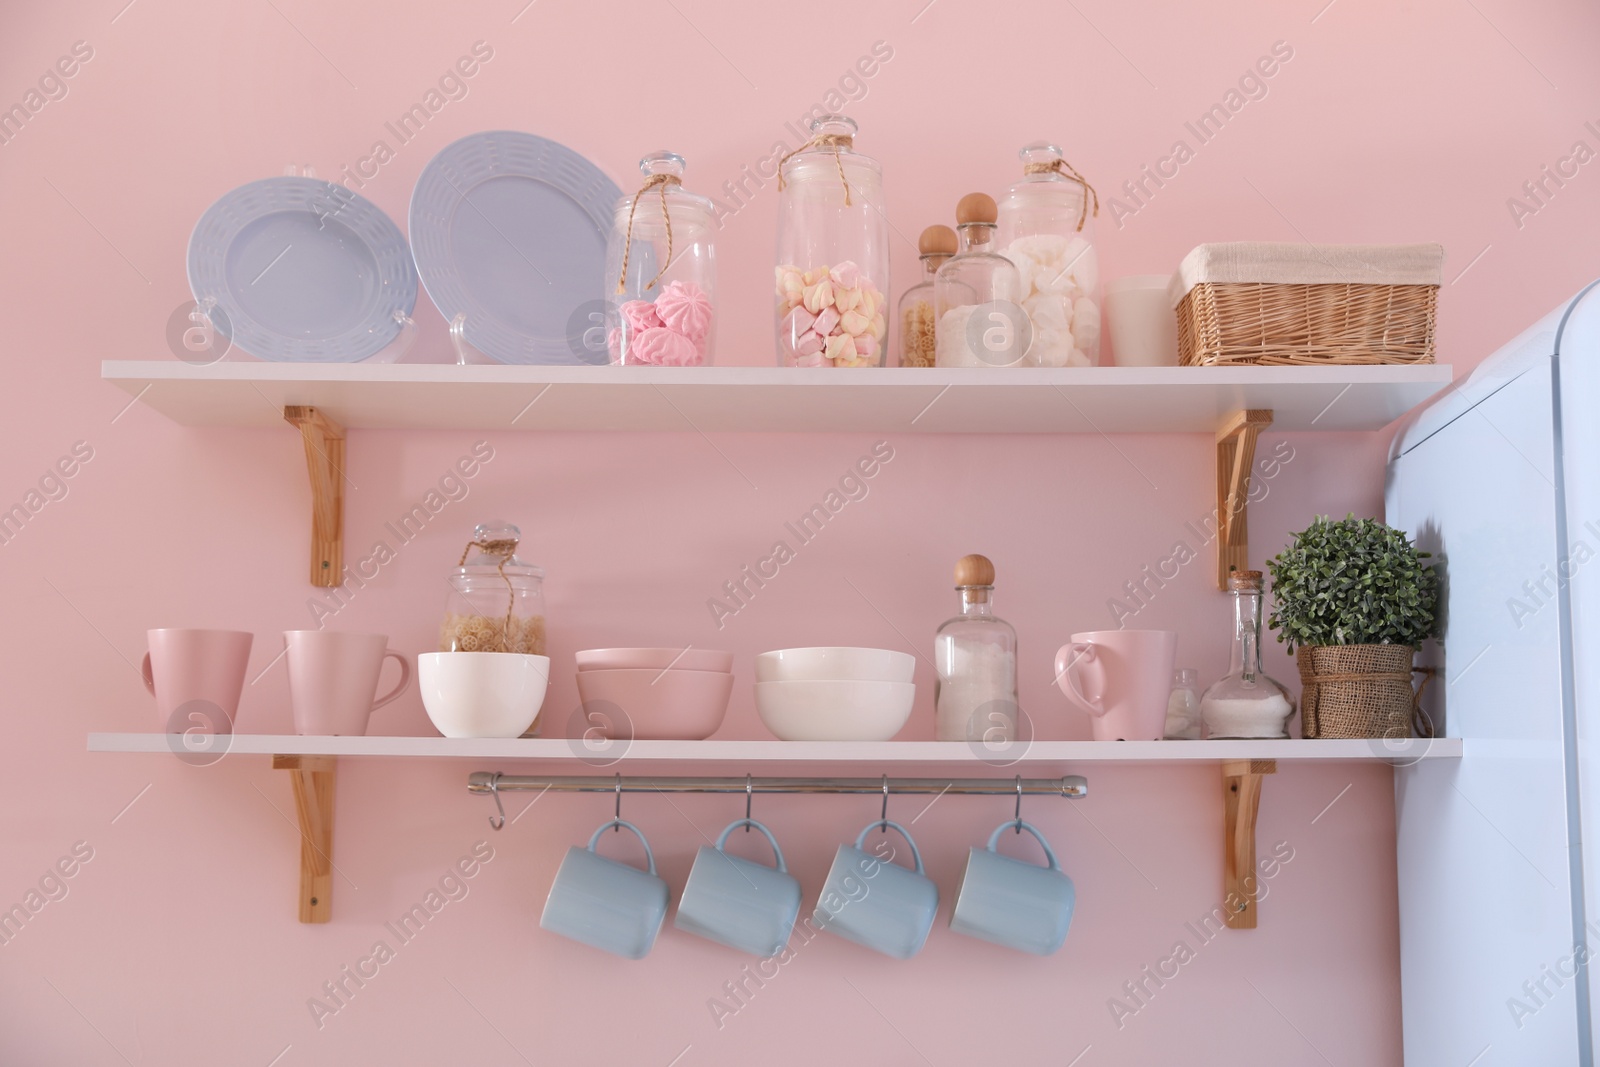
pixel 1122 678
pixel 332 679
pixel 196 673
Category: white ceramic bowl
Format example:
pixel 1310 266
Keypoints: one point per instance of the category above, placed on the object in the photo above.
pixel 482 694
pixel 835 664
pixel 833 710
pixel 660 659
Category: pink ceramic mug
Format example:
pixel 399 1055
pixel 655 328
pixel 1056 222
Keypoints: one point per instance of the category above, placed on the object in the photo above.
pixel 332 677
pixel 184 666
pixel 1122 678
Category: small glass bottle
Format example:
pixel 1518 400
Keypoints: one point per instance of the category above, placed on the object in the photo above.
pixel 977 296
pixel 1046 227
pixel 975 662
pixel 833 252
pixel 661 271
pixel 917 320
pixel 1246 702
pixel 1183 706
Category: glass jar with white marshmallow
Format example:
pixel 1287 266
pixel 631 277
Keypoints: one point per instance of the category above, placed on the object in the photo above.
pixel 1046 227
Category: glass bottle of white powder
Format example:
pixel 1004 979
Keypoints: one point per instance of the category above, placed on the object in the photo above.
pixel 1246 702
pixel 975 658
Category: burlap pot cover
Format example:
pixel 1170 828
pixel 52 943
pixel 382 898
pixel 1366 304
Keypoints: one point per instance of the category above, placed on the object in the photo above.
pixel 1356 690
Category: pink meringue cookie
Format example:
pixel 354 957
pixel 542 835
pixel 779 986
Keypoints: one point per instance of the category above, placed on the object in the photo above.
pixel 639 315
pixel 827 321
pixel 846 274
pixel 684 307
pixel 665 348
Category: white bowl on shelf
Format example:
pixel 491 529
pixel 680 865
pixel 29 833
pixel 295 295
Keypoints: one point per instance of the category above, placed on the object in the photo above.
pixel 834 709
pixel 482 694
pixel 835 663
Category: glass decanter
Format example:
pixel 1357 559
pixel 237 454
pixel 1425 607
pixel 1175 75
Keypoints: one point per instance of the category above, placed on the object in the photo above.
pixel 832 254
pixel 977 293
pixel 661 271
pixel 917 319
pixel 1246 702
pixel 1046 227
pixel 975 662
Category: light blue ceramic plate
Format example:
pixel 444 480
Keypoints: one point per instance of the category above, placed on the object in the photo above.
pixel 305 270
pixel 510 230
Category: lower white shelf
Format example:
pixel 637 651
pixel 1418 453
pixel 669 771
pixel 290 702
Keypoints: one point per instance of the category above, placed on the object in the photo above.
pixel 577 755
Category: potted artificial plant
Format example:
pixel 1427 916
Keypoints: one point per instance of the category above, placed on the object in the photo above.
pixel 1354 599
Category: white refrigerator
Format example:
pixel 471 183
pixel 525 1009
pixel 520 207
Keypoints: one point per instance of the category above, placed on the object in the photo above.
pixel 1499 852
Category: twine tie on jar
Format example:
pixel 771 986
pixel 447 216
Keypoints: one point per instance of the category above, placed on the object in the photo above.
pixel 835 141
pixel 655 181
pixel 1069 172
pixel 504 549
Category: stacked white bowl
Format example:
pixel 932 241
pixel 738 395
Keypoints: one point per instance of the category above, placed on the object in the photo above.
pixel 834 693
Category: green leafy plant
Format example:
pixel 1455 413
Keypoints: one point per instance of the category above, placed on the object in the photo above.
pixel 1353 582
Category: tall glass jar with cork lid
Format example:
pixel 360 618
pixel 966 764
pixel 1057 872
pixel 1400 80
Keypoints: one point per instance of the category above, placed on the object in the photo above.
pixel 975 660
pixel 832 275
pixel 661 270
pixel 1046 227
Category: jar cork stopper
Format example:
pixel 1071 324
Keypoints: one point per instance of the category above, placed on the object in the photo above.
pixel 1244 581
pixel 974 571
pixel 977 208
pixel 938 241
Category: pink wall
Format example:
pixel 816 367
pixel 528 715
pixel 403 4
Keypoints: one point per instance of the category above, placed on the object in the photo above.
pixel 176 942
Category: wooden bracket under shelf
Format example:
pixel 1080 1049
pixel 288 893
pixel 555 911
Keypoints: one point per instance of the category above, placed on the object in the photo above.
pixel 324 444
pixel 312 778
pixel 1236 455
pixel 1241 799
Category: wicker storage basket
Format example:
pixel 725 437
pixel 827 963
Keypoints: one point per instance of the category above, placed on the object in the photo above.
pixel 1307 304
pixel 1357 691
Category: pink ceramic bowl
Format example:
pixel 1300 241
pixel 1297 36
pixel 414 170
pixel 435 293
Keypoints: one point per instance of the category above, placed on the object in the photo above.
pixel 659 659
pixel 649 704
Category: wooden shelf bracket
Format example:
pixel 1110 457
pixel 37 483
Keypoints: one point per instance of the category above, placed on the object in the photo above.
pixel 1236 455
pixel 324 444
pixel 1241 800
pixel 312 778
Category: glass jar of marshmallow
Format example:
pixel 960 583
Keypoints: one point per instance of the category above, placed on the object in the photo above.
pixel 1046 227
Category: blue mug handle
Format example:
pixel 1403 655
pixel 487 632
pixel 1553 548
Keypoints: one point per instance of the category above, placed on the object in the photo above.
pixel 782 868
pixel 887 824
pixel 1018 824
pixel 650 857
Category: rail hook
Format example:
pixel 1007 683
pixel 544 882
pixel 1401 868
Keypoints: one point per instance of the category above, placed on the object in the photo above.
pixel 1018 826
pixel 497 822
pixel 616 813
pixel 748 789
pixel 883 812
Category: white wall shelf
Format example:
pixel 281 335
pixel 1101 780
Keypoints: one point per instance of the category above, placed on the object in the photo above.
pixel 858 755
pixel 779 399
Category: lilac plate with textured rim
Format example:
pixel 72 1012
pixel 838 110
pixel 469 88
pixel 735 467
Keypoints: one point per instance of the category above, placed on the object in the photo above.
pixel 509 230
pixel 305 270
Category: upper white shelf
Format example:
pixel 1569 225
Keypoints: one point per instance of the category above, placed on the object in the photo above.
pixel 575 758
pixel 780 399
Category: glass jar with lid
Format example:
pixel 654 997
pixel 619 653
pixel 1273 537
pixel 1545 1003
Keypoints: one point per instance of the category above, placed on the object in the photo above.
pixel 661 271
pixel 977 296
pixel 975 664
pixel 496 601
pixel 1246 702
pixel 1046 227
pixel 918 321
pixel 832 275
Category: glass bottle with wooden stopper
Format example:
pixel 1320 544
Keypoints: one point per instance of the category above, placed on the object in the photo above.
pixel 1246 702
pixel 978 296
pixel 975 661
pixel 917 322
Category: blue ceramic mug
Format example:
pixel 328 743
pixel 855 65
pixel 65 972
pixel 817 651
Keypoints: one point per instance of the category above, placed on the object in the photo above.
pixel 747 906
pixel 875 903
pixel 1012 903
pixel 606 904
